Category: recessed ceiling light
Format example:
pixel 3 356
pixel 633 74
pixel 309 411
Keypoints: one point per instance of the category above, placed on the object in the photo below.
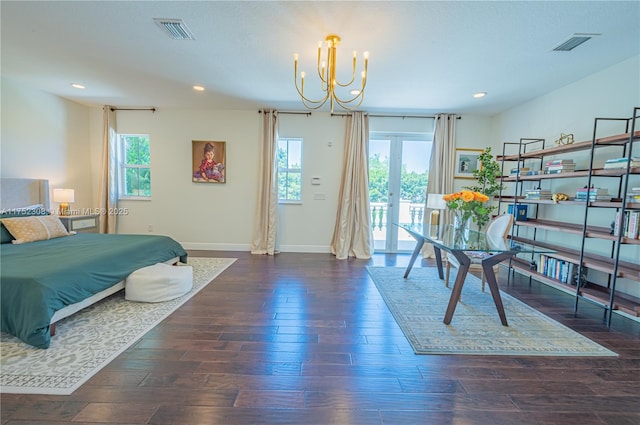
pixel 78 86
pixel 355 92
pixel 479 94
pixel 198 88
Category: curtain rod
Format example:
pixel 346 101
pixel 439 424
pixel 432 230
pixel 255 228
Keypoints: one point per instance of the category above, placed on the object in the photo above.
pixel 261 111
pixel 133 109
pixel 391 116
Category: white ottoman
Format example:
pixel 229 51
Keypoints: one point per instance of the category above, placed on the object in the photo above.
pixel 157 283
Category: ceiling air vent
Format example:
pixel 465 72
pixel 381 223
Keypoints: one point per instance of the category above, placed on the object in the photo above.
pixel 175 29
pixel 576 40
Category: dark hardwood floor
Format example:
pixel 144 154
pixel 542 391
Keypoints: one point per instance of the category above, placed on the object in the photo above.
pixel 307 339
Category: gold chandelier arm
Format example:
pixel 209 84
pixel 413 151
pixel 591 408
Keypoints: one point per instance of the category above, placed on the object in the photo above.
pixel 360 95
pixel 300 91
pixel 353 74
pixel 321 69
pixel 345 104
pixel 307 101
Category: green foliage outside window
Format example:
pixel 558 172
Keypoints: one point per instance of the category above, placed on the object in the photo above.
pixel 289 169
pixel 136 165
pixel 413 186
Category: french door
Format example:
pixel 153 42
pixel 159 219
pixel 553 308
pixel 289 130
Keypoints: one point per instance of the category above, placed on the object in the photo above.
pixel 398 174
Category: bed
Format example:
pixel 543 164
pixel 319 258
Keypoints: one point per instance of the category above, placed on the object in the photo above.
pixel 44 281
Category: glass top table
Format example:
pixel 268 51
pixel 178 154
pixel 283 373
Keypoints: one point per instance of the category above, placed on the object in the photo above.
pixel 475 246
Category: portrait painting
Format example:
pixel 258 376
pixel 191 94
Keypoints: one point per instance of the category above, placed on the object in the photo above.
pixel 467 160
pixel 208 161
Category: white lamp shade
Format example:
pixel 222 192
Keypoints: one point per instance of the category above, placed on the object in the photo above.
pixel 435 201
pixel 64 195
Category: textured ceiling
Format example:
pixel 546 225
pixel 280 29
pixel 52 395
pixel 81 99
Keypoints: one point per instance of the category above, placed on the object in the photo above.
pixel 426 56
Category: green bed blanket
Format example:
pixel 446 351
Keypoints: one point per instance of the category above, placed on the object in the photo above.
pixel 39 278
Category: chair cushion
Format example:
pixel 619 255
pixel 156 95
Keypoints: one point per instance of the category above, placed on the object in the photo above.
pixel 159 282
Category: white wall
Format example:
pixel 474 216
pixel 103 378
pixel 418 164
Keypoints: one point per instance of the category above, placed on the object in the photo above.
pixel 611 93
pixel 45 136
pixel 200 215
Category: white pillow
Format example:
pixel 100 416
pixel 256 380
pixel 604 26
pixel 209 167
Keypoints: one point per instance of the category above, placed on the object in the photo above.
pixel 34 228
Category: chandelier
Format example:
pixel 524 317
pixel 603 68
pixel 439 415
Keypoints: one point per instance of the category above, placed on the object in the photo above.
pixel 328 80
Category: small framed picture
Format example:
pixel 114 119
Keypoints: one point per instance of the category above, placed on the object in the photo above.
pixel 467 160
pixel 208 162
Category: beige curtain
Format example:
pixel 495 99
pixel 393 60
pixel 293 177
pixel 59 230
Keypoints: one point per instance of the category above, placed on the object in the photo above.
pixel 352 235
pixel 108 191
pixel 441 168
pixel 266 219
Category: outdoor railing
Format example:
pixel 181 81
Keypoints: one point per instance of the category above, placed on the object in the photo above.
pixel 409 214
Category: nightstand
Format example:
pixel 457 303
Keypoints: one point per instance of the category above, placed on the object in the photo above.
pixel 80 223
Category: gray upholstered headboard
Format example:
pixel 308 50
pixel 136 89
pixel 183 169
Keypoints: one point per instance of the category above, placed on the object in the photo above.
pixel 16 193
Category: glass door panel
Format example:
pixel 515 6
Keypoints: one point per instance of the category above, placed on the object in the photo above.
pixel 398 173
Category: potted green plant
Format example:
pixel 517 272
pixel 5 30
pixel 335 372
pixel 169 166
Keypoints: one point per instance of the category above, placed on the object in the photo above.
pixel 488 183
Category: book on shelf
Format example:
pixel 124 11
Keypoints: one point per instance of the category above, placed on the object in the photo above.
pixel 619 165
pixel 559 171
pixel 560 167
pixel 537 194
pixel 628 223
pixel 622 159
pixel 592 198
pixel 554 268
pixel 614 163
pixel 537 197
pixel 593 190
pixel 593 194
pixel 559 162
pixel 519 170
pixel 632 228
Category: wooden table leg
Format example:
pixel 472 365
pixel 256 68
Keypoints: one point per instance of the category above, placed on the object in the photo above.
pixel 487 266
pixel 457 286
pixel 438 255
pixel 416 251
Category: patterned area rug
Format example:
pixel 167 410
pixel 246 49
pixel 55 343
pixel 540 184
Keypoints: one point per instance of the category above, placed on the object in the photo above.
pixel 88 340
pixel 419 304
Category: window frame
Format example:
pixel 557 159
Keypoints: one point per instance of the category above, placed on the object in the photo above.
pixel 291 170
pixel 123 167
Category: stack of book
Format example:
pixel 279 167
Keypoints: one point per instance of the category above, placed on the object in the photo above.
pixel 556 166
pixel 630 224
pixel 593 194
pixel 615 163
pixel 521 170
pixel 634 195
pixel 535 194
pixel 556 269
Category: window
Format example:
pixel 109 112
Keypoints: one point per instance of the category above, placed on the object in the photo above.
pixel 135 166
pixel 290 170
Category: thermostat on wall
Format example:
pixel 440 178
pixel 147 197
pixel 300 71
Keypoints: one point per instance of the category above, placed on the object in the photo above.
pixel 315 180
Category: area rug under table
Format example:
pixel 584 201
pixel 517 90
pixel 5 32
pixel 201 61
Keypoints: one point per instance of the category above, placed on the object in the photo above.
pixel 87 341
pixel 419 302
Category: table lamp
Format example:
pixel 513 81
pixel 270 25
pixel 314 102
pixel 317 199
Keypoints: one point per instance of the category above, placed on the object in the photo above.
pixel 435 203
pixel 64 197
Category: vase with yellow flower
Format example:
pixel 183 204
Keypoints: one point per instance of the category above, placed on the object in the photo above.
pixel 467 206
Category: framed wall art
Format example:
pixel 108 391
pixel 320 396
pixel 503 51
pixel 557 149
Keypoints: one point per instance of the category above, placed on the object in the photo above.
pixel 467 160
pixel 208 162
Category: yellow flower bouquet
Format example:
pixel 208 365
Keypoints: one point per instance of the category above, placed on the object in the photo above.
pixel 469 204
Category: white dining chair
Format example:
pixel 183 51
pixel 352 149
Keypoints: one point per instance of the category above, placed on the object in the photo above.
pixel 497 230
